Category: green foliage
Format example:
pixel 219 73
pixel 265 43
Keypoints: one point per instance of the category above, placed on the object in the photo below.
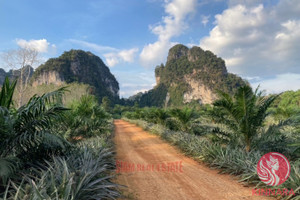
pixel 6 93
pixel 174 118
pixel 176 94
pixel 24 132
pixel 241 117
pixel 118 110
pixel 106 104
pixel 83 174
pixel 37 163
pixel 184 116
pixel 286 105
pixel 85 119
pixel 154 97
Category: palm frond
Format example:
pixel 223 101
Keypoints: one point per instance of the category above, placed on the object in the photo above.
pixel 7 92
pixel 8 167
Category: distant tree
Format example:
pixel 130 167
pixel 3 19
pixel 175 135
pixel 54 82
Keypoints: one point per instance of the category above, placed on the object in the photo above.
pixel 185 116
pixel 161 115
pixel 136 104
pixel 106 104
pixel 21 61
pixel 286 105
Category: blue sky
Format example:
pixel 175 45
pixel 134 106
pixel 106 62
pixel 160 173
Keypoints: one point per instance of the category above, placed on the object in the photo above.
pixel 259 40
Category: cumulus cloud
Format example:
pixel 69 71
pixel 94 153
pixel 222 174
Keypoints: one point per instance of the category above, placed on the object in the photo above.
pixel 41 46
pixel 132 82
pixel 173 24
pixel 113 56
pixel 255 40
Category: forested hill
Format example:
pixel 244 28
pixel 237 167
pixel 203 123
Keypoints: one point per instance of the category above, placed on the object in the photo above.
pixel 78 66
pixel 189 75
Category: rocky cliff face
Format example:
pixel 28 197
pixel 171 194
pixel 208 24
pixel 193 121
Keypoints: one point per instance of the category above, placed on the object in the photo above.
pixel 15 74
pixel 50 77
pixel 190 75
pixel 78 66
pixel 198 91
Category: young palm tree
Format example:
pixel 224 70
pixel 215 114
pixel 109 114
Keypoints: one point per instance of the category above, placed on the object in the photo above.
pixel 185 116
pixel 85 119
pixel 7 92
pixel 241 116
pixel 23 131
pixel 161 115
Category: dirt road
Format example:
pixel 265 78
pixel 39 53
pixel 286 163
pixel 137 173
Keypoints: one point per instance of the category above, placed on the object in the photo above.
pixel 182 178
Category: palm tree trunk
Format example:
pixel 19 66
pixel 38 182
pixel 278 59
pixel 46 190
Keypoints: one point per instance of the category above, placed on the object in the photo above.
pixel 248 146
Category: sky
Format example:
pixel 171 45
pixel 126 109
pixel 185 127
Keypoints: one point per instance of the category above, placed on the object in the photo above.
pixel 259 40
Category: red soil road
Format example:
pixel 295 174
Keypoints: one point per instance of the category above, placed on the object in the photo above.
pixel 196 181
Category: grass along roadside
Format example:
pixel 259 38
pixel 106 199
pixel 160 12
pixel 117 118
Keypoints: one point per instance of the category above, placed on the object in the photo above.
pixel 229 160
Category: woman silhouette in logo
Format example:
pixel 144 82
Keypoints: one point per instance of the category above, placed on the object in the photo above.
pixel 268 173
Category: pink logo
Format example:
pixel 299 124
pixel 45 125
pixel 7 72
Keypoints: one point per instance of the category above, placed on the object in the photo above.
pixel 273 169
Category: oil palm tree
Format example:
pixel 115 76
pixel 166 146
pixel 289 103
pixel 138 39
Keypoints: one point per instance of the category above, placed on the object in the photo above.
pixel 241 117
pixel 184 116
pixel 85 119
pixel 161 115
pixel 24 130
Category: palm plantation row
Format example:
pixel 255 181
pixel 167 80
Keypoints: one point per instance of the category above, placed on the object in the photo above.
pixel 49 151
pixel 231 135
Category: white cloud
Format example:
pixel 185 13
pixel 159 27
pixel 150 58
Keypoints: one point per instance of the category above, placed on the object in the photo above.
pixel 111 59
pixel 279 83
pixel 41 46
pixel 132 81
pixel 252 78
pixel 244 2
pixel 141 90
pixel 155 53
pixel 95 47
pixel 255 40
pixel 205 19
pixel 128 55
pixel 173 24
pixel 113 56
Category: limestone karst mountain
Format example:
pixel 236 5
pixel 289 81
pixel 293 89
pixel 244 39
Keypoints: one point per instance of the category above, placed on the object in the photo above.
pixel 189 75
pixel 78 66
